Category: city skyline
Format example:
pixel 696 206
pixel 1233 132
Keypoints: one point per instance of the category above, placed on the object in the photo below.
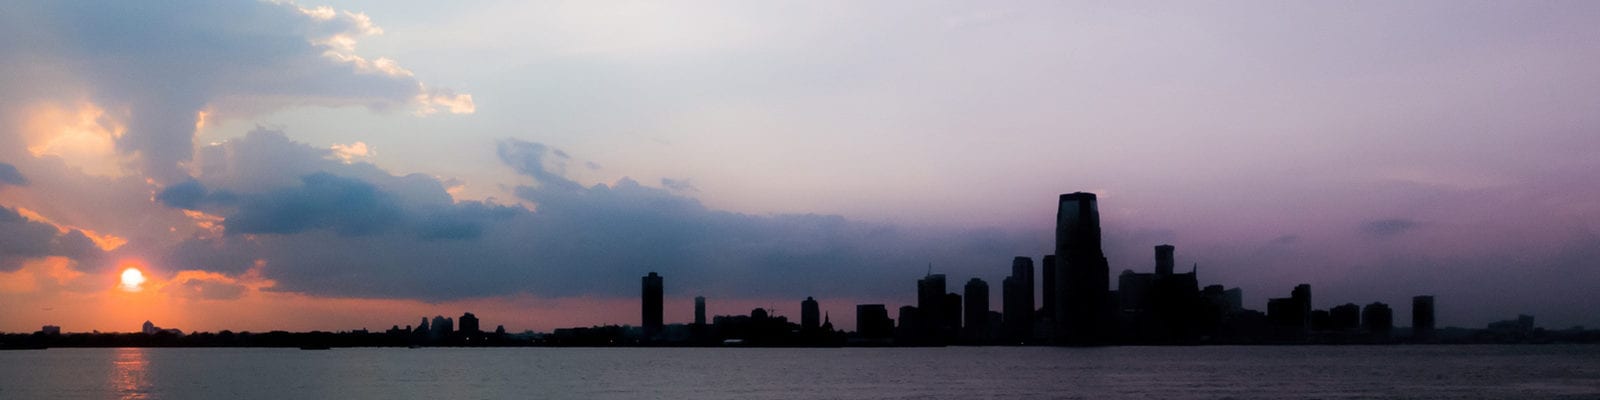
pixel 351 163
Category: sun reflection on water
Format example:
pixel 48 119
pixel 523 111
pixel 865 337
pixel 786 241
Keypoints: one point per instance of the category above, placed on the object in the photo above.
pixel 128 374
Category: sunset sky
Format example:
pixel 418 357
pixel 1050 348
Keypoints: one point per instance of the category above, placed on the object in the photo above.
pixel 359 164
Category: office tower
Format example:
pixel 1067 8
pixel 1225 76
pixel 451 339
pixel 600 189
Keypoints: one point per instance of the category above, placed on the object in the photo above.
pixel 1422 317
pixel 1377 319
pixel 699 310
pixel 930 318
pixel 872 321
pixel 952 317
pixel 1302 299
pixel 651 301
pixel 441 327
pixel 1048 286
pixel 1164 259
pixel 809 318
pixel 1082 309
pixel 910 329
pixel 1345 317
pixel 469 324
pixel 1016 301
pixel 1235 298
pixel 976 294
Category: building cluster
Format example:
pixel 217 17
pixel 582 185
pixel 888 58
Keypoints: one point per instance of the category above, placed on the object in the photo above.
pixel 445 331
pixel 1079 306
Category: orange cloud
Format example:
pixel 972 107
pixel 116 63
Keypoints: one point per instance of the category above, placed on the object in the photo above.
pixel 84 135
pixel 106 242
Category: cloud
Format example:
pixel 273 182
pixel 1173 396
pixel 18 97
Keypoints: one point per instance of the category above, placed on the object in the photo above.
pixel 1389 227
pixel 322 227
pixel 204 286
pixel 680 185
pixel 165 63
pixel 22 239
pixel 10 176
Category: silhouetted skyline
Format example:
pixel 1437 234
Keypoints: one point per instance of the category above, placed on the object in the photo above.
pixel 316 165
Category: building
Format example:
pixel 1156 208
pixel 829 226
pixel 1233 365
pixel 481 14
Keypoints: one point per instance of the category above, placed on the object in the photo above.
pixel 976 295
pixel 469 325
pixel 699 310
pixel 441 328
pixel 810 318
pixel 1163 307
pixel 872 321
pixel 1422 325
pixel 651 294
pixel 930 319
pixel 1345 317
pixel 1047 287
pixel 1082 310
pixel 1016 302
pixel 952 317
pixel 1377 319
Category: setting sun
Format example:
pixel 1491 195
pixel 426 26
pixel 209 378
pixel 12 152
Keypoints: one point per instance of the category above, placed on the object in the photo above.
pixel 132 279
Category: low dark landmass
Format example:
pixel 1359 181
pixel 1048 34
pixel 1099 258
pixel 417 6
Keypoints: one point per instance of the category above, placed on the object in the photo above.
pixel 627 336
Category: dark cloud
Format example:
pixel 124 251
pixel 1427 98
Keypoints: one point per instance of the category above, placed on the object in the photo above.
pixel 1284 240
pixel 348 231
pixel 1389 227
pixel 534 160
pixel 10 176
pixel 324 201
pixel 22 239
pixel 186 195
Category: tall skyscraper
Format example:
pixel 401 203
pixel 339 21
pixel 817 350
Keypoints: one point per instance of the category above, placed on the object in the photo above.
pixel 1422 317
pixel 952 317
pixel 1016 301
pixel 651 301
pixel 929 321
pixel 810 316
pixel 1048 286
pixel 976 295
pixel 1082 307
pixel 699 310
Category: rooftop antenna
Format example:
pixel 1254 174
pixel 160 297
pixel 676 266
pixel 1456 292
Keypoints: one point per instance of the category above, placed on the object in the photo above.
pixel 930 270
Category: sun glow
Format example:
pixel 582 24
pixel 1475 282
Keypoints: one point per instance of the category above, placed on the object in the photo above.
pixel 132 280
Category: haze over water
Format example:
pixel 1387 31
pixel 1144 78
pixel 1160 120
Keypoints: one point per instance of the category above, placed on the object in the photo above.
pixel 1241 372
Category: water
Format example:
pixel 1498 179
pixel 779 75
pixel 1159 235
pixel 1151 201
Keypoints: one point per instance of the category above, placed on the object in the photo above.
pixel 1266 372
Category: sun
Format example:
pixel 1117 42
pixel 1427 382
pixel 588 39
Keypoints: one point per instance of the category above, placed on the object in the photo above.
pixel 132 279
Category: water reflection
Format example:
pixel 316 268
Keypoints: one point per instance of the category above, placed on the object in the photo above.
pixel 129 375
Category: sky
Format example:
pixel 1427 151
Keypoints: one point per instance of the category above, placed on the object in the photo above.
pixel 358 164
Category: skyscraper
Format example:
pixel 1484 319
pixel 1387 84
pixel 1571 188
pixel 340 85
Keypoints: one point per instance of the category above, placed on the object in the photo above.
pixel 929 321
pixel 976 295
pixel 809 314
pixel 651 301
pixel 1422 317
pixel 469 324
pixel 699 310
pixel 1048 285
pixel 1082 310
pixel 1016 301
pixel 1164 259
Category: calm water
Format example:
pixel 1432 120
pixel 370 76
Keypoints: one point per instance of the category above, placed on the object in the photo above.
pixel 1443 372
